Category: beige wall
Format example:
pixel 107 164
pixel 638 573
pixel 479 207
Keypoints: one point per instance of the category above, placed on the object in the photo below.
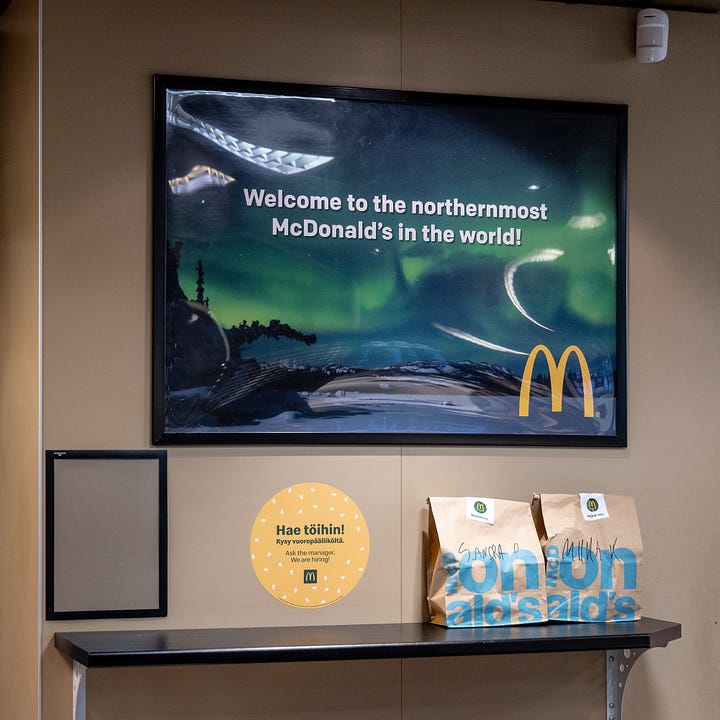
pixel 98 58
pixel 19 281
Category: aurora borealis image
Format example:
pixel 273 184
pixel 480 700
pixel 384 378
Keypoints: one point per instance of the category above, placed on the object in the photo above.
pixel 381 265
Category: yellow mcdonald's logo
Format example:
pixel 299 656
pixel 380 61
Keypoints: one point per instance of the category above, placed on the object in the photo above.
pixel 557 379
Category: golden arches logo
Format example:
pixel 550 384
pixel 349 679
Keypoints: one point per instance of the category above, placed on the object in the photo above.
pixel 557 379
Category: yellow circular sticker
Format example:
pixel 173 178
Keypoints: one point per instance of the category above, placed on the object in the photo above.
pixel 309 545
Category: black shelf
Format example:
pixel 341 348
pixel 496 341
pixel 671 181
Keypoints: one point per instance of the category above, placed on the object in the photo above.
pixel 124 648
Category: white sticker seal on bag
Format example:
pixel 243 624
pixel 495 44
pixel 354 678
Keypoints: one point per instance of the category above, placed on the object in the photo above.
pixel 593 507
pixel 482 509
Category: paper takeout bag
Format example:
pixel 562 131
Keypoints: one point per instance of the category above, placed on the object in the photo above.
pixel 485 565
pixel 594 556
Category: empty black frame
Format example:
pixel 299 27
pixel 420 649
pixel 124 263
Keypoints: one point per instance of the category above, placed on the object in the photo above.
pixel 106 531
pixel 359 266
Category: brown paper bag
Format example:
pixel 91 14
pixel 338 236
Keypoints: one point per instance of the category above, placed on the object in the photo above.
pixel 594 556
pixel 485 564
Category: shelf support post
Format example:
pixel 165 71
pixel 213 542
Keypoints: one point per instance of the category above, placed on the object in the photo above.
pixel 79 690
pixel 618 664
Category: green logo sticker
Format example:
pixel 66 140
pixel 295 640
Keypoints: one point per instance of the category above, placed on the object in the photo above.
pixel 480 507
pixel 592 504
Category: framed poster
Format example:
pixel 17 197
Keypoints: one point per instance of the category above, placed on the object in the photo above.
pixel 345 265
pixel 106 534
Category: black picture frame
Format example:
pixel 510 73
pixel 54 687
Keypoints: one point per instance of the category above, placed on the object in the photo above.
pixel 106 534
pixel 492 232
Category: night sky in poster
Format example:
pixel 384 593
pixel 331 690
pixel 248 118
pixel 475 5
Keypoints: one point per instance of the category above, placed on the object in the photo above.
pixel 449 242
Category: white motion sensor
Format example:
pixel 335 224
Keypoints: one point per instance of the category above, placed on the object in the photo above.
pixel 651 37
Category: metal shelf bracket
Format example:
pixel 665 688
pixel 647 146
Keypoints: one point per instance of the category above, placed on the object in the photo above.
pixel 79 690
pixel 618 664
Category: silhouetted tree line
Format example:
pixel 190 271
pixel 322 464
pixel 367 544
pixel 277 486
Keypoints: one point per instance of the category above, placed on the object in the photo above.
pixel 245 333
pixel 202 338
